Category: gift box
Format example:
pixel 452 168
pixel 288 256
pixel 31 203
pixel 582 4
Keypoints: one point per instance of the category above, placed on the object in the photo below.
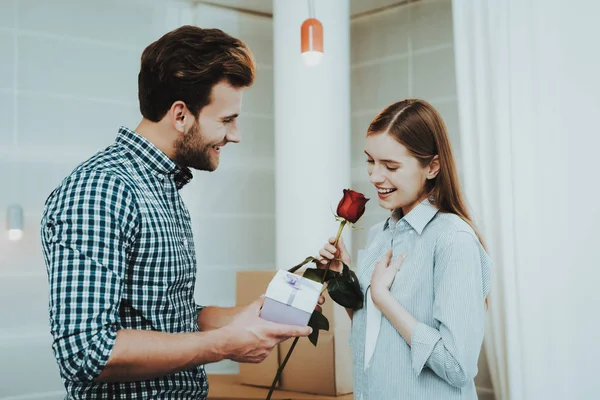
pixel 325 369
pixel 290 299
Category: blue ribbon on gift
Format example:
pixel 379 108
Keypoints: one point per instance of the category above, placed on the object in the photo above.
pixel 294 282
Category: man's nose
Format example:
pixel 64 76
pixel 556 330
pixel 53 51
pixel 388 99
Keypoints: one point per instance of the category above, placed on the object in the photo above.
pixel 233 135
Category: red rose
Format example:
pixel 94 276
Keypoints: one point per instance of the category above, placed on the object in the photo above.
pixel 352 206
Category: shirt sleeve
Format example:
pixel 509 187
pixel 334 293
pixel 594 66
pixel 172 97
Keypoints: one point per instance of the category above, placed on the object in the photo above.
pixel 88 225
pixel 452 349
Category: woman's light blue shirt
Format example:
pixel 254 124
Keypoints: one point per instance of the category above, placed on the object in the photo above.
pixel 443 283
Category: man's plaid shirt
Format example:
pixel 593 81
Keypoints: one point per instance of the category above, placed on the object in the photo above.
pixel 119 253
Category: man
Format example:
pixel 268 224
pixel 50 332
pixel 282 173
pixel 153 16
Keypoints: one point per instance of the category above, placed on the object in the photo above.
pixel 118 244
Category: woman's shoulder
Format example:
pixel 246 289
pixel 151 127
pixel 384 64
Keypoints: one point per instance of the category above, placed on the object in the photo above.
pixel 448 224
pixel 455 235
pixel 448 229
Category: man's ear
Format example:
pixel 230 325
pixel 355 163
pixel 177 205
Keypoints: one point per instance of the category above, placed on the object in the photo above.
pixel 179 116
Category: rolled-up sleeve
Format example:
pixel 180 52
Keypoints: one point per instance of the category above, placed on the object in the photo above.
pixel 451 348
pixel 87 228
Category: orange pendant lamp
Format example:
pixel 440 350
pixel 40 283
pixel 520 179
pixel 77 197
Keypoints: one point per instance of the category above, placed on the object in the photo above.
pixel 311 34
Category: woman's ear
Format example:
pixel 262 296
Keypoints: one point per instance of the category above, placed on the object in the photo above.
pixel 434 167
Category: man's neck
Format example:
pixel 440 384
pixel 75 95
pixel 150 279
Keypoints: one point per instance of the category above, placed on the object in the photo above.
pixel 159 134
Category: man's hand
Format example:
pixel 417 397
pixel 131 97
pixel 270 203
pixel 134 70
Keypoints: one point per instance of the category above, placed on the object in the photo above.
pixel 251 338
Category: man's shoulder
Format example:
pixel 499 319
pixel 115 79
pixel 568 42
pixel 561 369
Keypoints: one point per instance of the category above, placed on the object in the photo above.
pixel 113 160
pixel 103 174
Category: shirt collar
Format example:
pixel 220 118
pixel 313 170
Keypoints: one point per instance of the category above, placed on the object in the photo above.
pixel 154 158
pixel 417 218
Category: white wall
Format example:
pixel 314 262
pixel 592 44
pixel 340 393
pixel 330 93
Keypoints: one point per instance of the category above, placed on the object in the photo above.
pixel 67 83
pixel 68 79
pixel 233 208
pixel 396 54
pixel 403 52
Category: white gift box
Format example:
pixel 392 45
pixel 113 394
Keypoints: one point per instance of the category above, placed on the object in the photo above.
pixel 290 299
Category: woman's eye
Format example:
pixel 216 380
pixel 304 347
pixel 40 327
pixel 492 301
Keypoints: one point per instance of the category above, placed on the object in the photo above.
pixel 370 161
pixel 392 169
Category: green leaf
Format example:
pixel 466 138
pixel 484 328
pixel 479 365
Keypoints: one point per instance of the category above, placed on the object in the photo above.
pixel 306 261
pixel 345 290
pixel 314 337
pixel 317 322
pixel 316 274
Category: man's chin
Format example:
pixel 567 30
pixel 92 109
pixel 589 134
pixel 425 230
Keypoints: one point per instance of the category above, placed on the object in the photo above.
pixel 209 167
pixel 213 165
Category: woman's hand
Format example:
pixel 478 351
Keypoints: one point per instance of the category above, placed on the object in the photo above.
pixel 330 253
pixel 384 275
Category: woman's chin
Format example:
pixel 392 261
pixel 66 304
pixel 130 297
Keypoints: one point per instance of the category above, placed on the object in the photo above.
pixel 383 203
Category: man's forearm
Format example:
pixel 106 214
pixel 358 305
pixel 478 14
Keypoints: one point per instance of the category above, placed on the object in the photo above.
pixel 140 355
pixel 210 318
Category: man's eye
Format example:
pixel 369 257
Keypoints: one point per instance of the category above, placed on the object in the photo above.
pixel 370 162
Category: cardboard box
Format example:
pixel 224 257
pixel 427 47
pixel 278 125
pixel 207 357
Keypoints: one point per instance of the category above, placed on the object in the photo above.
pixel 324 370
pixel 290 299
pixel 229 387
pixel 327 368
pixel 249 286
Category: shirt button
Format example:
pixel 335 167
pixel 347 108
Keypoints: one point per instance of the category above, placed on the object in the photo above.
pixel 411 232
pixel 185 243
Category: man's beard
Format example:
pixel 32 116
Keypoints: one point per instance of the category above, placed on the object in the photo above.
pixel 192 151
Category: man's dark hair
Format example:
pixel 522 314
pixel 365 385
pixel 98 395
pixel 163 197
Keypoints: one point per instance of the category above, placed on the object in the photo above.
pixel 185 64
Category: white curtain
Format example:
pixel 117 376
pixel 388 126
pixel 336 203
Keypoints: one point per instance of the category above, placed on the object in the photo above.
pixel 528 94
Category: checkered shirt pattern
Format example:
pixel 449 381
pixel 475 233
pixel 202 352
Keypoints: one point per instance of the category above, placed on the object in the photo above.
pixel 119 253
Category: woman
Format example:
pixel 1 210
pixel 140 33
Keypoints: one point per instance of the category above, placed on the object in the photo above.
pixel 425 272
